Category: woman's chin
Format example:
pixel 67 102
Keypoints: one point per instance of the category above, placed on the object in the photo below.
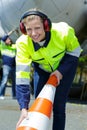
pixel 36 40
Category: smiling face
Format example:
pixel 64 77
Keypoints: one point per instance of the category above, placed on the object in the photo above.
pixel 34 28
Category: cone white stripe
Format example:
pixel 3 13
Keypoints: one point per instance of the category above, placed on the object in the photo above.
pixel 48 91
pixel 35 120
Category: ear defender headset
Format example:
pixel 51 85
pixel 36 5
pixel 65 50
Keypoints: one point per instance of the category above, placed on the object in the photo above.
pixel 46 21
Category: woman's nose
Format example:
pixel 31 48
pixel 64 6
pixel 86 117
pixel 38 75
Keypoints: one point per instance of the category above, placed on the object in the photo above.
pixel 33 32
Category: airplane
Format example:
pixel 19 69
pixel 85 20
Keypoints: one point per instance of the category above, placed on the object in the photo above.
pixel 71 11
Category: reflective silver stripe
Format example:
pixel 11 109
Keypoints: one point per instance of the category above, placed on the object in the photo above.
pixel 22 81
pixel 76 52
pixel 10 54
pixel 25 68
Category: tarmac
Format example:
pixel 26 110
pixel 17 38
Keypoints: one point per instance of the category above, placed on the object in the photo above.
pixel 76 113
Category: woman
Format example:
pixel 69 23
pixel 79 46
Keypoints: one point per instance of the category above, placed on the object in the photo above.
pixel 53 49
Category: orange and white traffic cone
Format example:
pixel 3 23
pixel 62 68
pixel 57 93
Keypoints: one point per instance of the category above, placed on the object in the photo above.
pixel 40 112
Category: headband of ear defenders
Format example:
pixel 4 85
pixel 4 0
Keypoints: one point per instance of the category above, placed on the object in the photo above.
pixel 42 15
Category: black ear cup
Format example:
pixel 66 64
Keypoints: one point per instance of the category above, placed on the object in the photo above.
pixel 46 21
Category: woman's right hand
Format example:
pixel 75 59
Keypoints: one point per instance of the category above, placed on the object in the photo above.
pixel 24 114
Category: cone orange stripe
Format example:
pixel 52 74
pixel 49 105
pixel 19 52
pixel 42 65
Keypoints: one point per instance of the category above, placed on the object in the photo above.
pixel 25 128
pixel 52 80
pixel 44 106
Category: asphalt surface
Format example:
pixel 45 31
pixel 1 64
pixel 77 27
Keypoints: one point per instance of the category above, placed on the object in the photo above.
pixel 76 111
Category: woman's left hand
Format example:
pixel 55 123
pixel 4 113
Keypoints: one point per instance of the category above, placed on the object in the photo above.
pixel 58 75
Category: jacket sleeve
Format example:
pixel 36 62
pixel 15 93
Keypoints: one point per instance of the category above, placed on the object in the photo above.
pixel 23 63
pixel 23 95
pixel 67 63
pixel 72 53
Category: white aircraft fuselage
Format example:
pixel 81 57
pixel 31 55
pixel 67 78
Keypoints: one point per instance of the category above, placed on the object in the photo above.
pixel 70 11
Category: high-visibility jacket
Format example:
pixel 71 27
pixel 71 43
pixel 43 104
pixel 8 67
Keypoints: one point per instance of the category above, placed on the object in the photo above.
pixel 63 41
pixel 8 53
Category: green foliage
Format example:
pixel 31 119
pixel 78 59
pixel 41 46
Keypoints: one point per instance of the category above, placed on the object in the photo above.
pixel 83 59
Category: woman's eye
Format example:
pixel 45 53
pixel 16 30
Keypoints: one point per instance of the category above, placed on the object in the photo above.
pixel 28 30
pixel 37 28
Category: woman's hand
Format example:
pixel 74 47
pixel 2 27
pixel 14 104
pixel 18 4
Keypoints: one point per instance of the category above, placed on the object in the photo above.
pixel 24 114
pixel 58 75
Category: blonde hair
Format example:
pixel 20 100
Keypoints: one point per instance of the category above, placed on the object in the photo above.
pixel 32 17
